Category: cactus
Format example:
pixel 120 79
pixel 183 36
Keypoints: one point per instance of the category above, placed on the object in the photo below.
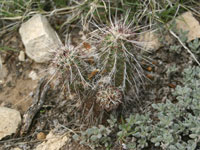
pixel 118 53
pixel 70 65
pixel 110 52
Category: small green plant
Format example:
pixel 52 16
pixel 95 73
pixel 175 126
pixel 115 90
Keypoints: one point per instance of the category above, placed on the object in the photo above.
pixel 195 46
pixel 175 48
pixel 172 69
pixel 94 137
pixel 135 131
pixel 97 136
pixel 183 35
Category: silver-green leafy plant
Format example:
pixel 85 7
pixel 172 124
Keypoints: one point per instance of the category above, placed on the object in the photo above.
pixel 175 48
pixel 171 69
pixel 135 131
pixel 94 137
pixel 195 46
pixel 183 35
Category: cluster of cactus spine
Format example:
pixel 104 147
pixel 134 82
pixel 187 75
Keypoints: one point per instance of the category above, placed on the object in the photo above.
pixel 109 97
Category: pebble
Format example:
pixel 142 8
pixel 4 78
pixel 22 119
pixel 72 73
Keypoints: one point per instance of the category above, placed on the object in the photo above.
pixel 41 136
pixel 33 75
pixel 21 56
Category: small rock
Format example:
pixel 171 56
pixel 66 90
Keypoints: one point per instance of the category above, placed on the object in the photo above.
pixel 54 142
pixel 151 40
pixel 39 38
pixel 33 75
pixel 187 22
pixel 21 56
pixel 41 136
pixel 9 121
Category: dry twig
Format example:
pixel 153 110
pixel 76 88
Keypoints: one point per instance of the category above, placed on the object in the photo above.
pixel 36 106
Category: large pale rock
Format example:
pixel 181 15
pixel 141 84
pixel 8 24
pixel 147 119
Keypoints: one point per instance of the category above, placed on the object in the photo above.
pixel 10 119
pixel 54 142
pixel 39 38
pixel 151 40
